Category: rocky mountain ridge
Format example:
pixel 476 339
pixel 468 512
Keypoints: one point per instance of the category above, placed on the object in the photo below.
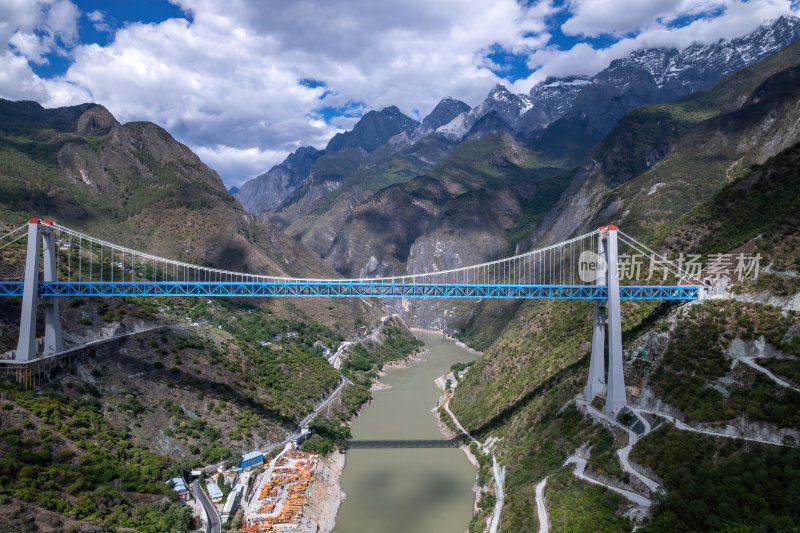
pixel 445 111
pixel 745 119
pixel 372 130
pixel 647 76
pixel 268 190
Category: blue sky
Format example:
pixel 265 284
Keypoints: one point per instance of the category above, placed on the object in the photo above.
pixel 245 82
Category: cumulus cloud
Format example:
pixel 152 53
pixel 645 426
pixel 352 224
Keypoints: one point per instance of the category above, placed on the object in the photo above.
pixel 231 80
pixel 229 83
pixel 34 29
pixel 231 161
pixel 98 18
pixel 596 17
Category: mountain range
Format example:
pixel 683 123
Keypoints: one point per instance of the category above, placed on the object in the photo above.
pixel 590 103
pixel 693 152
pixel 390 160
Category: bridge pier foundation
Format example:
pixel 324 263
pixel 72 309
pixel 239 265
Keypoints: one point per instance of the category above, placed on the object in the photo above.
pixel 53 340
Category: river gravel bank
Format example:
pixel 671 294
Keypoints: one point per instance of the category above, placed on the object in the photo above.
pixel 326 495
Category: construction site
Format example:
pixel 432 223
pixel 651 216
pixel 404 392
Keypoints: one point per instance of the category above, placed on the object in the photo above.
pixel 281 493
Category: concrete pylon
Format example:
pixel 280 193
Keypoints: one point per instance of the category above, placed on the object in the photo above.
pixel 53 340
pixel 615 393
pixel 26 345
pixel 597 365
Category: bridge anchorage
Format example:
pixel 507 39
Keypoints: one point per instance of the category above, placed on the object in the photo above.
pixel 75 264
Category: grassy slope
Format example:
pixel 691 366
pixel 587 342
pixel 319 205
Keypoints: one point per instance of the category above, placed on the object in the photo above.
pixel 765 202
pixel 62 455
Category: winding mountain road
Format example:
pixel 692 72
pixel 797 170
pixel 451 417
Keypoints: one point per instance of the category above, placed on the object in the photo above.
pixel 498 472
pixel 750 361
pixel 541 507
pixel 624 452
pixel 580 468
pixel 680 424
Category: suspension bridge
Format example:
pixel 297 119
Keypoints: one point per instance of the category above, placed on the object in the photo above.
pixel 61 262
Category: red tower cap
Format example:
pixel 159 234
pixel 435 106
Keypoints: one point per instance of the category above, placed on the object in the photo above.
pixel 47 222
pixel 34 221
pixel 612 228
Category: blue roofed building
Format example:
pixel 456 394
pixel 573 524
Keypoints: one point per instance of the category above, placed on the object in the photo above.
pixel 179 486
pixel 252 459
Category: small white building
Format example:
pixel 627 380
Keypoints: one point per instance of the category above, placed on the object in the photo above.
pixel 300 437
pixel 214 492
pixel 232 503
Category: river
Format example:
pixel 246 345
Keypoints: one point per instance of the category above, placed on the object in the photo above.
pixel 405 482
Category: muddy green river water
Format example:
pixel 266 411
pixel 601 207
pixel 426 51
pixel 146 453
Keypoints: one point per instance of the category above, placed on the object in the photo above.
pixel 400 475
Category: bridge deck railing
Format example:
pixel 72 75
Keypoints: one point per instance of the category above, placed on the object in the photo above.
pixel 349 289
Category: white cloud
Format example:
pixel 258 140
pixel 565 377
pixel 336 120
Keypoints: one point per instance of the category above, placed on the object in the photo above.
pixel 17 80
pixel 241 163
pixel 99 19
pixel 34 29
pixel 227 83
pixel 30 46
pixel 597 17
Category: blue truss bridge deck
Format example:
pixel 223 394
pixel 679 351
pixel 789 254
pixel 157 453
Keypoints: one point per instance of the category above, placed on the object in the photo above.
pixel 346 288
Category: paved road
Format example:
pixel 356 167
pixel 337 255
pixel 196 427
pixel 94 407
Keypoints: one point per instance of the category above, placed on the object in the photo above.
pixel 215 524
pixel 544 519
pixel 308 417
pixel 580 467
pixel 499 473
pixel 324 404
pixel 749 361
pixel 336 359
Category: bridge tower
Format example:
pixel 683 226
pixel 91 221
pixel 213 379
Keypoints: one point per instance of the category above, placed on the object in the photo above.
pixel 53 340
pixel 614 383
